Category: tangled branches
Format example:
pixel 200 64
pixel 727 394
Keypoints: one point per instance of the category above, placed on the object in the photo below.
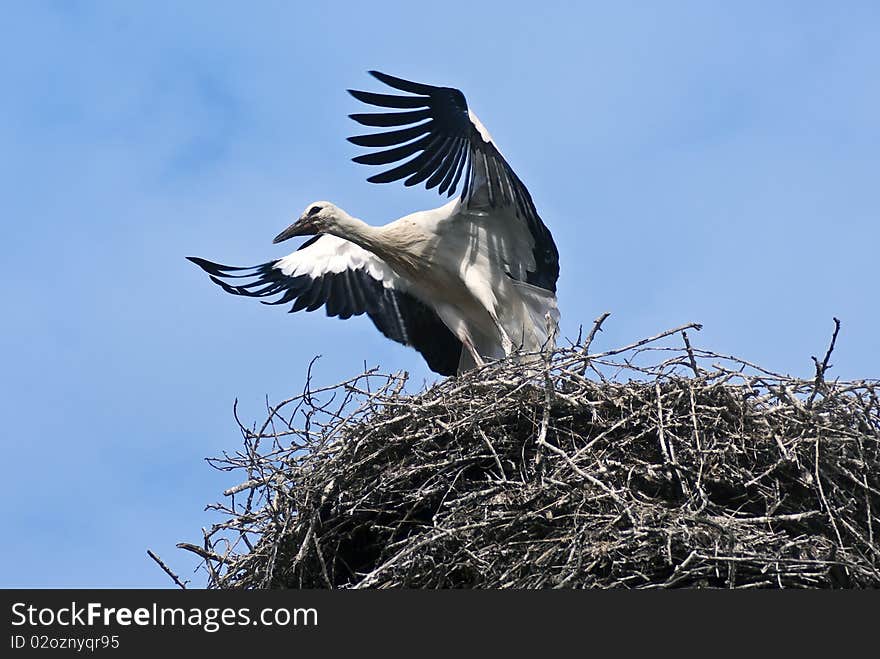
pixel 651 466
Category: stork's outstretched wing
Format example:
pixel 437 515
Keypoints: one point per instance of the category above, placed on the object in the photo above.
pixel 449 144
pixel 348 281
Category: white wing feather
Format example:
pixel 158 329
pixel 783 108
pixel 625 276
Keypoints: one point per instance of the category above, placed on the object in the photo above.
pixel 330 254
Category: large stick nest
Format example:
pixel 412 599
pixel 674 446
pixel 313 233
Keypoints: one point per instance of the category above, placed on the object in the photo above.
pixel 648 466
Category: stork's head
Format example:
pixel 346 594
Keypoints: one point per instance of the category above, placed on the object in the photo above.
pixel 318 217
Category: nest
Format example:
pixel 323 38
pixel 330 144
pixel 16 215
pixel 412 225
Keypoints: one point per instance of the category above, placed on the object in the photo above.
pixel 650 466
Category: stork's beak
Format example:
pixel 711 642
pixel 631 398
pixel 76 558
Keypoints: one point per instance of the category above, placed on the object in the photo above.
pixel 304 226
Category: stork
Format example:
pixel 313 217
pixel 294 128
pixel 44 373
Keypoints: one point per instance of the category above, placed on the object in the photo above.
pixel 472 280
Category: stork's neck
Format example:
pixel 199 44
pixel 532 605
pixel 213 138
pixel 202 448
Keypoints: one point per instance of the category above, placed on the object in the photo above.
pixel 357 231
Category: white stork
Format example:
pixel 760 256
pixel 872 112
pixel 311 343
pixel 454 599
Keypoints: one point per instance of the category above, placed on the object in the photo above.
pixel 478 273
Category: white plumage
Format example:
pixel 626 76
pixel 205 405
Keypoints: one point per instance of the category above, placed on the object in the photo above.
pixel 474 279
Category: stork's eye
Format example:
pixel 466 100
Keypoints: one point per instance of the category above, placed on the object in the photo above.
pixel 314 210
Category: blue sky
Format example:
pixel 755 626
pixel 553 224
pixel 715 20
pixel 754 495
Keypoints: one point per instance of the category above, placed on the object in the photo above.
pixel 696 161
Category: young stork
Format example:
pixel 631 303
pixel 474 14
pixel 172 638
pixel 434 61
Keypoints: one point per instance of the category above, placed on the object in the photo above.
pixel 472 280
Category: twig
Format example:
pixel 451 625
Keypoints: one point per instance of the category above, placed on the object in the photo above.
pixel 821 368
pixel 657 337
pixel 166 569
pixel 690 352
pixel 200 551
pixel 597 326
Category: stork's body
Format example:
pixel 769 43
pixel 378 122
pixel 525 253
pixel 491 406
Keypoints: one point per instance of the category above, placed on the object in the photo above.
pixel 471 280
pixel 449 260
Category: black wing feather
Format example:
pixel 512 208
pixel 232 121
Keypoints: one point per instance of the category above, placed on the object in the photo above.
pixel 403 85
pixel 392 137
pixel 441 150
pixel 386 119
pixel 391 100
pixel 395 154
pixel 397 314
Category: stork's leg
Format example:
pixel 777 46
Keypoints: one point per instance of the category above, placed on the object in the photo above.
pixel 478 360
pixel 506 343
